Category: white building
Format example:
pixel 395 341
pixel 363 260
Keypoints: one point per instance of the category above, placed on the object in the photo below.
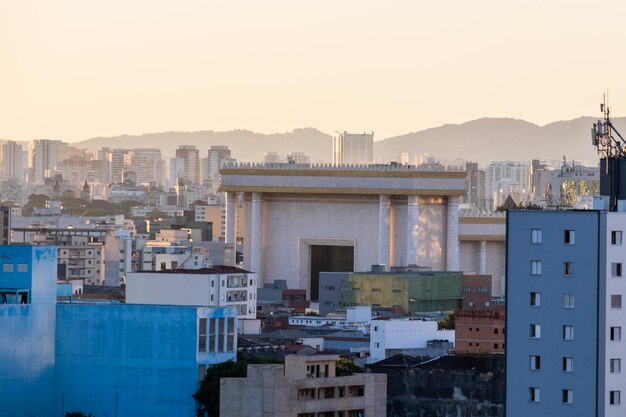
pixel 42 158
pixel 12 161
pixel 302 217
pixel 219 286
pixel 355 317
pixel 506 177
pixel 403 334
pixel 148 165
pixel 353 148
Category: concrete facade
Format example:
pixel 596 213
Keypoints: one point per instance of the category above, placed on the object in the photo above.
pixel 104 359
pixel 403 334
pixel 554 334
pixel 214 287
pixel 306 386
pixel 392 215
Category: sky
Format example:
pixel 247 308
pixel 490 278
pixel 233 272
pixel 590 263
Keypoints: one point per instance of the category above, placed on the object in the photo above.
pixel 75 69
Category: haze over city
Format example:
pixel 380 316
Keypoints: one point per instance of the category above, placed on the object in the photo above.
pixel 72 70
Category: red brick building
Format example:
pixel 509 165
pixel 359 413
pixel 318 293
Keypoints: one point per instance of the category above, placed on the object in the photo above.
pixel 479 331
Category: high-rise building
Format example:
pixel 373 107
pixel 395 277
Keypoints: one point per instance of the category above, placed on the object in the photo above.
pixel 147 164
pixel 217 156
pixel 504 178
pixel 565 316
pixel 475 185
pixel 353 148
pixel 191 161
pixel 12 161
pixel 42 158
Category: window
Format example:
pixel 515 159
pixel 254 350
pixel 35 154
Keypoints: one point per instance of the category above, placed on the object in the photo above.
pixel 568 238
pixel 568 268
pixel 7 267
pixel 616 301
pixel 22 267
pixel 212 335
pixel 163 265
pixel 230 339
pixel 535 362
pixel 212 297
pixel 202 335
pixel 568 300
pixel 535 267
pixel 616 334
pixel 356 391
pixel 535 299
pixel 614 397
pixel 220 335
pixel 535 331
pixel 616 269
pixel 533 394
pixel 568 364
pixel 615 365
pixel 568 396
pixel 535 236
pixel 568 332
pixel 616 237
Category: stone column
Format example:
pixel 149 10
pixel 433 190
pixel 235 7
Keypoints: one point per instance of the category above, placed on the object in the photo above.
pixel 256 230
pixel 384 217
pixel 231 217
pixel 482 258
pixel 452 234
pixel 412 232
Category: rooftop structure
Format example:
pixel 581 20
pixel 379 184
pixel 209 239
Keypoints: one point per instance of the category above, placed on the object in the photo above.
pixel 305 386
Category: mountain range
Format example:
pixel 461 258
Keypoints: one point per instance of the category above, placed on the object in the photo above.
pixel 482 140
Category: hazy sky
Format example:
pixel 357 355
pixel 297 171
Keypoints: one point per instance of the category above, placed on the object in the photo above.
pixel 74 69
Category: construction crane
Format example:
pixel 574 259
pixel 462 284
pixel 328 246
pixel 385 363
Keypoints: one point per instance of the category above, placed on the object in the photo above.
pixel 612 157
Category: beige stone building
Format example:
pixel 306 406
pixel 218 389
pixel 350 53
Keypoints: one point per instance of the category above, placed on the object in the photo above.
pixel 306 386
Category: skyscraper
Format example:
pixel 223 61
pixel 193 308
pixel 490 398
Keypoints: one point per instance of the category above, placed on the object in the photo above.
pixel 191 161
pixel 353 148
pixel 42 158
pixel 12 161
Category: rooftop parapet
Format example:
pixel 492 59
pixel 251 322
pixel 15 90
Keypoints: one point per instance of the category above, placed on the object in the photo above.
pixel 392 167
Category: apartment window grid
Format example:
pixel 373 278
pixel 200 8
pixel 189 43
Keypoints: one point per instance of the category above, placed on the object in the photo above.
pixel 615 333
pixel 615 366
pixel 536 236
pixel 568 332
pixel 568 300
pixel 568 364
pixel 616 237
pixel 616 269
pixel 535 362
pixel 534 394
pixel 615 397
pixel 535 331
pixel 535 267
pixel 535 299
pixel 568 396
pixel 616 301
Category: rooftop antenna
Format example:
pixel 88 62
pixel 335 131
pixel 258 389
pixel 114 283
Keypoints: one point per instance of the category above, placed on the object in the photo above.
pixel 612 154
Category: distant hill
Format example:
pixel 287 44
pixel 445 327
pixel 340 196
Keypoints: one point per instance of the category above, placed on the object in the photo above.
pixel 482 140
pixel 244 144
pixel 491 139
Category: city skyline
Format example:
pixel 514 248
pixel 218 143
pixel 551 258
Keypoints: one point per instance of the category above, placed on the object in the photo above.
pixel 74 71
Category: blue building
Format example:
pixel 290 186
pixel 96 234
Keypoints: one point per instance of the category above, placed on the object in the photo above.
pixel 99 358
pixel 554 292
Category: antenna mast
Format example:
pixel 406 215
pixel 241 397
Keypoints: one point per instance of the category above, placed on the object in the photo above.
pixel 612 156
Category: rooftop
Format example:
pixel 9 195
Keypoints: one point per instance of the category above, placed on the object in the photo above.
pixel 215 269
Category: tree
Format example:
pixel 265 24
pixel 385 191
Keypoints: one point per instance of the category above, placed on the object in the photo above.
pixel 346 368
pixel 447 323
pixel 208 395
